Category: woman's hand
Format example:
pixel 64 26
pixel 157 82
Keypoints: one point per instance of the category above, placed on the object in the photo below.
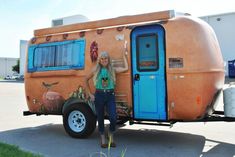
pixel 87 87
pixel 92 97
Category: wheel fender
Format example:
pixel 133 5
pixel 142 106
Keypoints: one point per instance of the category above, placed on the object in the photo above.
pixel 74 101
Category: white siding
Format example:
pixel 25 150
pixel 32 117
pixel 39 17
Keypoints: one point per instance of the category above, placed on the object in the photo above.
pixel 6 66
pixel 69 20
pixel 23 50
pixel 224 27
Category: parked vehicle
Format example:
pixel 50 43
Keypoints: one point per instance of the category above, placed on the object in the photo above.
pixel 15 76
pixel 20 78
pixel 7 77
pixel 176 70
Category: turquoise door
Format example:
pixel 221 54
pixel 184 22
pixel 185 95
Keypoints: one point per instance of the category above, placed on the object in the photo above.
pixel 148 73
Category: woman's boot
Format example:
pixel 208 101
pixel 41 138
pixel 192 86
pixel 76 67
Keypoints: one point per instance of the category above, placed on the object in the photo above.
pixel 103 143
pixel 111 140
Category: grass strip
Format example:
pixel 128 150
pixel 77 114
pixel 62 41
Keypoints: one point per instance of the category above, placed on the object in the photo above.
pixel 14 151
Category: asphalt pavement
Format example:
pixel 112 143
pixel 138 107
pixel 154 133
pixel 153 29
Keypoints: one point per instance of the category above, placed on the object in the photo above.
pixel 45 134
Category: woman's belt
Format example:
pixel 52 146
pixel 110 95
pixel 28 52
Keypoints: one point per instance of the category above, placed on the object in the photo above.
pixel 105 90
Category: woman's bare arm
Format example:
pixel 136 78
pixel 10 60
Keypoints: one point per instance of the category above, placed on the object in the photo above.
pixel 87 87
pixel 125 68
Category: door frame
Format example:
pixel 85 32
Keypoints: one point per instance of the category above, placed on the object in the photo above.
pixel 131 70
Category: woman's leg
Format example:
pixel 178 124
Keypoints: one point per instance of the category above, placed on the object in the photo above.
pixel 99 106
pixel 111 109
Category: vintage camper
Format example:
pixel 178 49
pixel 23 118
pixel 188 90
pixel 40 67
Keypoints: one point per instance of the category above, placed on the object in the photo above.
pixel 176 70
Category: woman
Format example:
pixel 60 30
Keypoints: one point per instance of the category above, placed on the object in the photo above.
pixel 104 78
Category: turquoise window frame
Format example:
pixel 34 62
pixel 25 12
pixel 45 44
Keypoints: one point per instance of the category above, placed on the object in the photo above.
pixel 79 47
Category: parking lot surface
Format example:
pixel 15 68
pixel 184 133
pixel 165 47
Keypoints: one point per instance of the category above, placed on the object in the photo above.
pixel 46 135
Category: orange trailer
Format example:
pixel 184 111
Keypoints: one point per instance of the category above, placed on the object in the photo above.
pixel 176 70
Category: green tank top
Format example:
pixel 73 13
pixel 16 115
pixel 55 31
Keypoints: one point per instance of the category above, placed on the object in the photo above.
pixel 104 80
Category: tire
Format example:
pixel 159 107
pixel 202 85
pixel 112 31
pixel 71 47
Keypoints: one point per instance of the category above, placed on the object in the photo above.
pixel 79 121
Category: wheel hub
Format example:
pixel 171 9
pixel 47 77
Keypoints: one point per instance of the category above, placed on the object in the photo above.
pixel 77 121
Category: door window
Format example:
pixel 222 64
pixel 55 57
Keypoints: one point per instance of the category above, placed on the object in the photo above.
pixel 147 52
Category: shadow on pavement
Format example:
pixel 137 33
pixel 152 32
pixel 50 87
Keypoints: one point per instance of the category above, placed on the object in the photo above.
pixel 51 140
pixel 228 80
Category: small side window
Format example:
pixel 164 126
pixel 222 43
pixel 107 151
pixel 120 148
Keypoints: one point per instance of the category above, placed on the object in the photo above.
pixel 147 52
pixel 56 56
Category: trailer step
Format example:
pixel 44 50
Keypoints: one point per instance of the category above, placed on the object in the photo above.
pixel 170 124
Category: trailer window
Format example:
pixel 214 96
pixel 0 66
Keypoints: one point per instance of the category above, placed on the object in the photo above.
pixel 147 52
pixel 44 56
pixel 56 56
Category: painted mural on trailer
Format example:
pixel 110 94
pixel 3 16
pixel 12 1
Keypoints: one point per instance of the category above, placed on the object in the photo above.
pixel 52 101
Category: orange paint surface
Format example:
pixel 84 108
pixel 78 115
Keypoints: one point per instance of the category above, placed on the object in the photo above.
pixel 190 88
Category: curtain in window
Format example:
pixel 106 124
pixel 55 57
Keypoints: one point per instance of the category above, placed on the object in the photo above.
pixel 64 55
pixel 44 56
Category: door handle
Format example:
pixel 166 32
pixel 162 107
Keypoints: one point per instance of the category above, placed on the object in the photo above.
pixel 137 77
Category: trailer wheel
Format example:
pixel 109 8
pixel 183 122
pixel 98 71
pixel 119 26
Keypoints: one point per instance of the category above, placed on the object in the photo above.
pixel 79 121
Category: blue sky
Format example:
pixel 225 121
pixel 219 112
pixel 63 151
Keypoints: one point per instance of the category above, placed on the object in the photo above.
pixel 20 17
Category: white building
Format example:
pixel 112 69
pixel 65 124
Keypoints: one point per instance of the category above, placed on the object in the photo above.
pixel 224 27
pixel 69 20
pixel 6 66
pixel 23 50
pixel 7 63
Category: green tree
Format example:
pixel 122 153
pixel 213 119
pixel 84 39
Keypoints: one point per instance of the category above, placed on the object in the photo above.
pixel 16 68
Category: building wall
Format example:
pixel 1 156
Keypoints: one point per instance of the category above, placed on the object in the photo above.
pixel 6 66
pixel 223 25
pixel 69 20
pixel 23 50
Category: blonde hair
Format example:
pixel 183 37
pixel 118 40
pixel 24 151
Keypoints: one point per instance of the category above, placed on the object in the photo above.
pixel 99 66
